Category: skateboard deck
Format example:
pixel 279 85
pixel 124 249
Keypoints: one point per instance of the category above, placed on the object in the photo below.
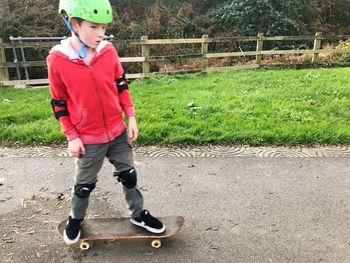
pixel 110 229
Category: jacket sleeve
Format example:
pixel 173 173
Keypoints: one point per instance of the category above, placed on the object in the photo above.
pixel 59 100
pixel 123 89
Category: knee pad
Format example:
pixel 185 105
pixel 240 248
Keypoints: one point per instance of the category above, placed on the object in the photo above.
pixel 84 190
pixel 128 178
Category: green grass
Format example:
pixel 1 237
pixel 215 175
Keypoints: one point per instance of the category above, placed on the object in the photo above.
pixel 255 107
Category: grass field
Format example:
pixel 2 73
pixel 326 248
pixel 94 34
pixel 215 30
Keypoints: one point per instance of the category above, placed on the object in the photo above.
pixel 254 107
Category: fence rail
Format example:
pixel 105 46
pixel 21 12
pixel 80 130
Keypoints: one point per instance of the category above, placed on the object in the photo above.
pixel 22 43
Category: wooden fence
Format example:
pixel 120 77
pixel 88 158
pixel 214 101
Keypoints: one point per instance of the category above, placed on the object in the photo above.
pixel 146 58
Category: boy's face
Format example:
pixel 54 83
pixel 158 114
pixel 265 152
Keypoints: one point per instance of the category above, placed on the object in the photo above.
pixel 90 33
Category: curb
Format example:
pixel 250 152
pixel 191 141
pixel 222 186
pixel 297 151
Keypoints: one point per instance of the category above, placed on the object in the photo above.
pixel 194 152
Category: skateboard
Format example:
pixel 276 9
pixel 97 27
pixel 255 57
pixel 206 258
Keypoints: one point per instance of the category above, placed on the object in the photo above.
pixel 110 229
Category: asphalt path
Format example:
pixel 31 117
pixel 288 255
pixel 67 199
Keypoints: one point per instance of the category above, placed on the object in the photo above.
pixel 238 209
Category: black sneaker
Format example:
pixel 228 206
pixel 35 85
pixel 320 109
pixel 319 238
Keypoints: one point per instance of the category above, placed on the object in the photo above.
pixel 71 234
pixel 147 221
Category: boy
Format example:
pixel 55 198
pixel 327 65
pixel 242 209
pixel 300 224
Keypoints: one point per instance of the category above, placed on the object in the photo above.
pixel 89 95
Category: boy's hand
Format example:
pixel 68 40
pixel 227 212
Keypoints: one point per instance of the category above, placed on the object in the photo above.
pixel 132 129
pixel 76 147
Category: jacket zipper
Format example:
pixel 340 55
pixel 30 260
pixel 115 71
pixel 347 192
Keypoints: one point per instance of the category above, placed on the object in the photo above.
pixel 99 100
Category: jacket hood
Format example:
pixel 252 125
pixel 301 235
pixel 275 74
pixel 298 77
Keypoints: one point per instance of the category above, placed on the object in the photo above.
pixel 65 49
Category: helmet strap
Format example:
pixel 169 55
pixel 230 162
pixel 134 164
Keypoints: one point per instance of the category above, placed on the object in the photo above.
pixel 67 23
pixel 84 47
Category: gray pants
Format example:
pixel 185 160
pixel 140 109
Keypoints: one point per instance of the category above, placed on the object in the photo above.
pixel 119 152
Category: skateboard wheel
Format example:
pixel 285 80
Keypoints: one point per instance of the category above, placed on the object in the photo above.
pixel 84 245
pixel 156 243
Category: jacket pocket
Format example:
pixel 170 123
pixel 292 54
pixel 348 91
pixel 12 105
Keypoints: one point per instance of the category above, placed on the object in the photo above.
pixel 83 119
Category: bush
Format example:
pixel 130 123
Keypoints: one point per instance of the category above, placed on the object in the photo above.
pixel 344 45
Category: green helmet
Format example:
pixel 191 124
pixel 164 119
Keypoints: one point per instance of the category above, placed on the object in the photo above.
pixel 96 11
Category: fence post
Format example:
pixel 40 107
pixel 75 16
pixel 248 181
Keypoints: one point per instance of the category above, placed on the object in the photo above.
pixel 15 59
pixel 4 71
pixel 145 55
pixel 259 47
pixel 204 53
pixel 24 59
pixel 317 45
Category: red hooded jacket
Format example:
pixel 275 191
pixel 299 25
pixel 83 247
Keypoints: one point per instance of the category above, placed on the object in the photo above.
pixel 89 100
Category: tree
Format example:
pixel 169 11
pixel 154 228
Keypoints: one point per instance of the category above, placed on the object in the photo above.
pixel 4 7
pixel 27 18
pixel 270 17
pixel 334 16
